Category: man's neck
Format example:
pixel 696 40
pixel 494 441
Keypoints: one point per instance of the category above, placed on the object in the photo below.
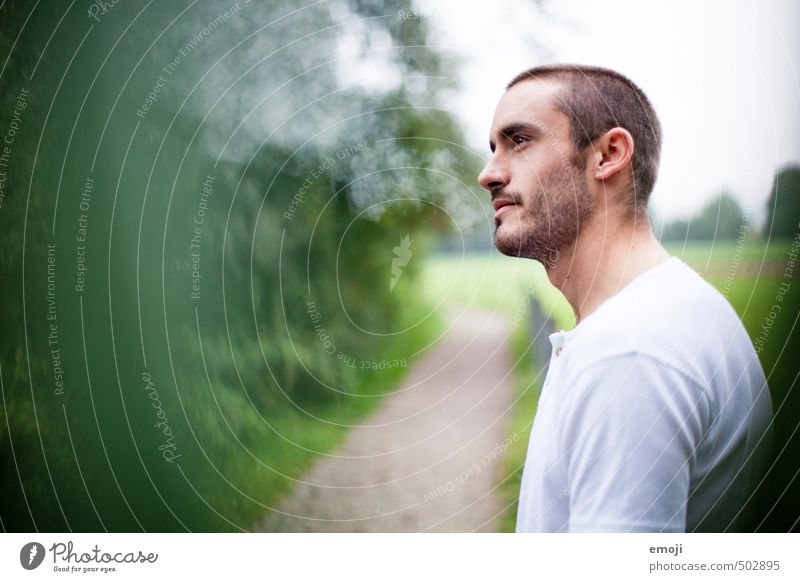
pixel 610 253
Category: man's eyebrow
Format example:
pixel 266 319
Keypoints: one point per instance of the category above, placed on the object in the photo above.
pixel 513 128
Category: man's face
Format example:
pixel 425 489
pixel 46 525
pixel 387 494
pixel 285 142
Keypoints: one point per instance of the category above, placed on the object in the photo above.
pixel 538 185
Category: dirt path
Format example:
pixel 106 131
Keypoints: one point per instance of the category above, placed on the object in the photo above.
pixel 429 458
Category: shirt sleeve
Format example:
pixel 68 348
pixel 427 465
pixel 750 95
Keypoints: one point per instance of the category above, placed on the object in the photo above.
pixel 629 429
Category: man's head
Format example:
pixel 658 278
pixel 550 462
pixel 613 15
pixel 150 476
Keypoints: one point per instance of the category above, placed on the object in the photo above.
pixel 567 139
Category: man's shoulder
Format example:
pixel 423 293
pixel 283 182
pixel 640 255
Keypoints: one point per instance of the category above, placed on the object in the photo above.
pixel 672 317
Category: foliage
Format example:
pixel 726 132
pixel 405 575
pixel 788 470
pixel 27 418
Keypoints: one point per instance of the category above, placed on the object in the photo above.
pixel 783 205
pixel 221 191
pixel 720 219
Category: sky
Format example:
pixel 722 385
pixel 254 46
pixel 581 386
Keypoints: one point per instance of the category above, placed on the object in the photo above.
pixel 724 79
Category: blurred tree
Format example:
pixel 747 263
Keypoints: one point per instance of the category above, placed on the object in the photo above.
pixel 720 219
pixel 783 205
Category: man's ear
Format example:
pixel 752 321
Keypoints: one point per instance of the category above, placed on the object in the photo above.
pixel 613 152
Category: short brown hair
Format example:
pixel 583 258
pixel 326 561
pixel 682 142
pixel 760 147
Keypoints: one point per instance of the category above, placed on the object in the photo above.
pixel 597 99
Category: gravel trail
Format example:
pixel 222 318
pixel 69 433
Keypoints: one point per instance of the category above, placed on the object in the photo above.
pixel 428 459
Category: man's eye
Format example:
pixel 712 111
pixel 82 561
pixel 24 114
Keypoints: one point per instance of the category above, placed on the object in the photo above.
pixel 519 140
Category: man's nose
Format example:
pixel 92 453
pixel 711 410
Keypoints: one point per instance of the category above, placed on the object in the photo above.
pixel 493 176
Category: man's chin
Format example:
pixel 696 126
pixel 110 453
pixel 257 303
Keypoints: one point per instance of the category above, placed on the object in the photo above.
pixel 516 244
pixel 511 245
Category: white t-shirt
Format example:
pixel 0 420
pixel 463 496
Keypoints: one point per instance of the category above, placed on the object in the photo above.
pixel 653 416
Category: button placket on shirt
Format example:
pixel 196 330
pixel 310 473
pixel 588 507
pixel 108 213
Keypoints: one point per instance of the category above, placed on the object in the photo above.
pixel 552 368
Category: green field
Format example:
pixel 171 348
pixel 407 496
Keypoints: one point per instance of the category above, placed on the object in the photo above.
pixel 748 272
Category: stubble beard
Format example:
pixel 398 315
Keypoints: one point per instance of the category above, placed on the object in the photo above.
pixel 549 221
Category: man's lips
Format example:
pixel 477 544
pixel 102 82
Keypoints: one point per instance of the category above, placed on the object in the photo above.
pixel 501 205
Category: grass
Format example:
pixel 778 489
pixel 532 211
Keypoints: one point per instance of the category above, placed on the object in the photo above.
pixel 493 281
pixel 701 254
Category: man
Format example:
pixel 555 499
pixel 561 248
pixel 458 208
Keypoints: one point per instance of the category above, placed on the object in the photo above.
pixel 654 413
